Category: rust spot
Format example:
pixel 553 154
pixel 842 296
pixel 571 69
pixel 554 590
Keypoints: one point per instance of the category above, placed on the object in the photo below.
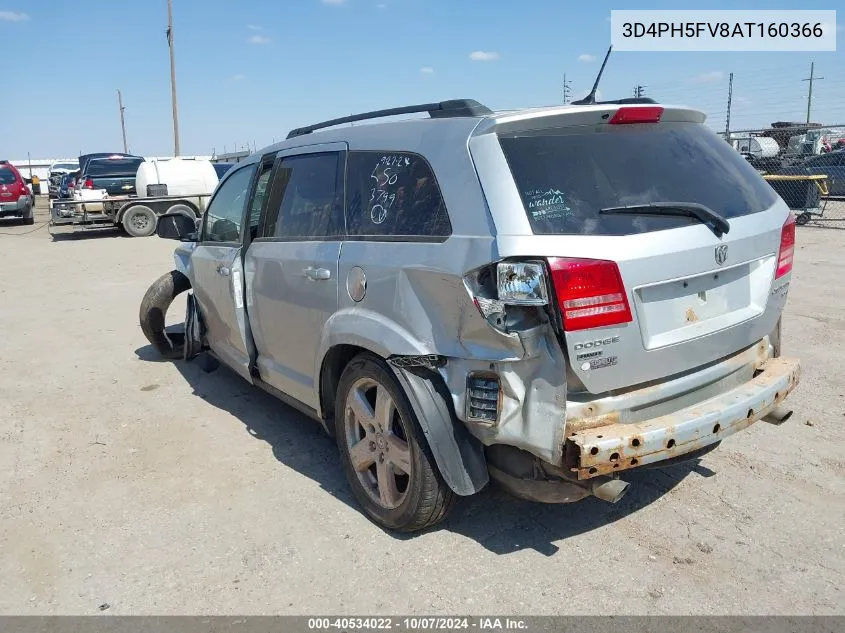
pixel 670 443
pixel 635 442
pixel 584 423
pixel 717 428
pixel 614 457
pixel 691 316
pixel 594 450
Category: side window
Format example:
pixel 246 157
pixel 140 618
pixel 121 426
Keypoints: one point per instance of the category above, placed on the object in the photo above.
pixel 394 195
pixel 261 191
pixel 225 212
pixel 311 198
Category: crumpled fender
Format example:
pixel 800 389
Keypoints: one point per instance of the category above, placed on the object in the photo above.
pixel 459 455
pixel 372 331
pixel 182 259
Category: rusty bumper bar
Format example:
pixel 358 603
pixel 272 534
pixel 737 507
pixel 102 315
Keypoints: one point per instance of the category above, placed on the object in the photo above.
pixel 616 447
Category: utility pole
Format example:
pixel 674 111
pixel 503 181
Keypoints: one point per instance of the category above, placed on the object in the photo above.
pixel 172 77
pixel 811 78
pixel 567 89
pixel 639 91
pixel 730 99
pixel 122 121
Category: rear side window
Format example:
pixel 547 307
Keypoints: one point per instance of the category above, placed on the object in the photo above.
pixel 565 176
pixel 394 196
pixel 7 176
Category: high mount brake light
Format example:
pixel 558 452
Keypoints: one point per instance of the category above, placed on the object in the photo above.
pixel 787 247
pixel 590 293
pixel 637 114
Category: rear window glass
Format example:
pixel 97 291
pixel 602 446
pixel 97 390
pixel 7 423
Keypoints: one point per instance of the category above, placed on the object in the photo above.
pixel 394 195
pixel 65 166
pixel 7 176
pixel 114 167
pixel 565 176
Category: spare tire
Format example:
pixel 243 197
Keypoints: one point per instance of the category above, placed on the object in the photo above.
pixel 153 310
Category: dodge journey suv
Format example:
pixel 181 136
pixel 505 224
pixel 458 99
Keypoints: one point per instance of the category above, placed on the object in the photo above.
pixel 546 298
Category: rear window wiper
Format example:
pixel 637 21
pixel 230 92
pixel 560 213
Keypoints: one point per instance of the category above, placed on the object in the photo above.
pixel 704 214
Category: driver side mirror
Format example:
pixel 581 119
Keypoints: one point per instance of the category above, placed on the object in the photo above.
pixel 178 226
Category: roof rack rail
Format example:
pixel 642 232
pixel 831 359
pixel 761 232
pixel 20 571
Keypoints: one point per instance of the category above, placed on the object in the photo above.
pixel 629 100
pixel 441 110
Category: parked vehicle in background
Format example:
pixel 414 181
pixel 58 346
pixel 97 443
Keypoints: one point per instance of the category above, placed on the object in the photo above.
pixel 130 192
pixel 222 168
pixel 66 185
pixel 16 199
pixel 494 295
pixel 56 173
pixel 831 164
pixel 106 176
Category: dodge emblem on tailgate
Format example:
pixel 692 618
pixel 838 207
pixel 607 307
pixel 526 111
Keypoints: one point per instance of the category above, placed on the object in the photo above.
pixel 721 254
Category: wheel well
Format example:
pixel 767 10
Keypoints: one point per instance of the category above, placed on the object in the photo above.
pixel 334 362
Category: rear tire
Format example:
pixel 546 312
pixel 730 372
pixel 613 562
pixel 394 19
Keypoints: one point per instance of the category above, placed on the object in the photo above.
pixel 140 221
pixel 386 459
pixel 153 311
pixel 29 216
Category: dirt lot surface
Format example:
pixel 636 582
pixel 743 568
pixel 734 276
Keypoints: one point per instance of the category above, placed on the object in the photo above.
pixel 152 487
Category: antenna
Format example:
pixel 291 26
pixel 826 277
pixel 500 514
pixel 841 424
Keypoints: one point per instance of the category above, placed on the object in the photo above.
pixel 591 98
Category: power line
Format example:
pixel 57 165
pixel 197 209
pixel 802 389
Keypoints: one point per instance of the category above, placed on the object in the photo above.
pixel 567 89
pixel 810 91
pixel 122 121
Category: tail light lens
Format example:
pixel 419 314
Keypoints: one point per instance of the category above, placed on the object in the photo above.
pixel 590 293
pixel 787 247
pixel 71 183
pixel 89 184
pixel 637 114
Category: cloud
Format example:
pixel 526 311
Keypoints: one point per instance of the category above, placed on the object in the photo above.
pixel 381 6
pixel 427 70
pixel 254 27
pixel 335 3
pixel 13 16
pixel 586 58
pixel 484 56
pixel 259 39
pixel 238 77
pixel 709 78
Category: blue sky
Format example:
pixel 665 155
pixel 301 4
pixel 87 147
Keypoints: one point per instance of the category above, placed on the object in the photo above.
pixel 249 71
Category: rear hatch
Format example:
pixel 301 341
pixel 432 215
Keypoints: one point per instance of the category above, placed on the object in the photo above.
pixel 115 175
pixel 643 292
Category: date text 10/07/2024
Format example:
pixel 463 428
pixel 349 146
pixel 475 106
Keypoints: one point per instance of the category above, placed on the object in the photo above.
pixel 417 624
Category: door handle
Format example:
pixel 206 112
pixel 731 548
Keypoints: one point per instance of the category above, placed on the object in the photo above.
pixel 317 274
pixel 223 271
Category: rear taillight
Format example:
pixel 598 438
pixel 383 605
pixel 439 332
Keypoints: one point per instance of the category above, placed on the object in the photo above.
pixel 590 293
pixel 89 184
pixel 787 247
pixel 71 184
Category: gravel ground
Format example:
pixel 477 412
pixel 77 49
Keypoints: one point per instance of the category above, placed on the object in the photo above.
pixel 154 488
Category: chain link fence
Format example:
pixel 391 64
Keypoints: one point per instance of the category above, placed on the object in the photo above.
pixel 805 164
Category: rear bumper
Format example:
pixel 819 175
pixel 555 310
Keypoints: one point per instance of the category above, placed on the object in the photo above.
pixel 18 207
pixel 616 447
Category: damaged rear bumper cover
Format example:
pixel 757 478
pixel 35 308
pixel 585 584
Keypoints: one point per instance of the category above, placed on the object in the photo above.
pixel 616 447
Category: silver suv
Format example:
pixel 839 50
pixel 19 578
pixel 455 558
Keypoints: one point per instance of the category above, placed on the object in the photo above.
pixel 544 297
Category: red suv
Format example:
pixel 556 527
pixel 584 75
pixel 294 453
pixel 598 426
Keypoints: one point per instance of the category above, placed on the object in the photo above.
pixel 15 199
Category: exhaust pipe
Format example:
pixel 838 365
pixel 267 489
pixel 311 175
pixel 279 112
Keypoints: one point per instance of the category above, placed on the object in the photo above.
pixel 609 490
pixel 778 415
